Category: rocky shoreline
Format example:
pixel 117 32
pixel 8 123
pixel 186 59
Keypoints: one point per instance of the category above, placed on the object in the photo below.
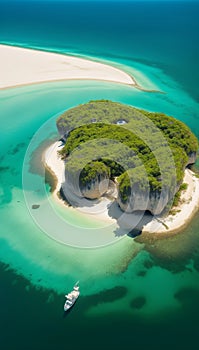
pixel 159 226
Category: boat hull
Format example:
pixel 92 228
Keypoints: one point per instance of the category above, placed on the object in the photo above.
pixel 68 307
pixel 71 298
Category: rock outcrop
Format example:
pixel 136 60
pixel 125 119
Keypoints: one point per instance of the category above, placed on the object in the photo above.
pixel 154 202
pixel 96 188
pixel 192 158
pixel 89 185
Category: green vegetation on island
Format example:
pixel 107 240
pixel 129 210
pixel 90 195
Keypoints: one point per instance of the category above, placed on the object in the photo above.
pixel 92 170
pixel 146 151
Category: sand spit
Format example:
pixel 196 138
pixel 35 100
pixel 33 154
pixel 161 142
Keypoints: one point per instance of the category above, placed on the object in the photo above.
pixel 21 66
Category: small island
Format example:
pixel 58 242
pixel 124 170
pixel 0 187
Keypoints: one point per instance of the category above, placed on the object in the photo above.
pixel 135 158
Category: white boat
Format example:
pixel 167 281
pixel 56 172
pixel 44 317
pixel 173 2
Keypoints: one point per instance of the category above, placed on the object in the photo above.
pixel 71 297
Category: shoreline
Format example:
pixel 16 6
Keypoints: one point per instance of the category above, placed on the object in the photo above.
pixel 26 66
pixel 159 227
pixel 55 166
pixel 185 210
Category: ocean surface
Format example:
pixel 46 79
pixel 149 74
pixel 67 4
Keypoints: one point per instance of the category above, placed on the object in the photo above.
pixel 132 295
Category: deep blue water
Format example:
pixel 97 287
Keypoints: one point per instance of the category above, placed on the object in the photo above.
pixel 155 297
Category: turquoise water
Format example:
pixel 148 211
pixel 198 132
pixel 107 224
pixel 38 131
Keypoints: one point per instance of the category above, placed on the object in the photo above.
pixel 126 285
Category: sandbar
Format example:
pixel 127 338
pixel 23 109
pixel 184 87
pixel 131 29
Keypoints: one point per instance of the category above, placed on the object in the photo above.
pixel 22 66
pixel 161 227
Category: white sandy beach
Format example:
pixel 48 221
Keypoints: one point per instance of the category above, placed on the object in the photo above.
pixel 189 204
pixel 99 209
pixel 172 223
pixel 19 66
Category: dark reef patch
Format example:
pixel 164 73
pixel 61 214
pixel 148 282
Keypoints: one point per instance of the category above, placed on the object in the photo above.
pixel 141 273
pixel 35 206
pixel 188 297
pixel 17 148
pixel 108 295
pixel 4 168
pixel 138 303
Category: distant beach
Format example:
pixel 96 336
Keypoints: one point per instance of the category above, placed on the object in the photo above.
pixel 161 227
pixel 20 66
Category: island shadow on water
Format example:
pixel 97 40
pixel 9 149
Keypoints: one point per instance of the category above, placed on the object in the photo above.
pixel 130 224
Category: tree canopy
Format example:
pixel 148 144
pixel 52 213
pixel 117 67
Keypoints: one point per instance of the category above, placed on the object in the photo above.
pixel 160 143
